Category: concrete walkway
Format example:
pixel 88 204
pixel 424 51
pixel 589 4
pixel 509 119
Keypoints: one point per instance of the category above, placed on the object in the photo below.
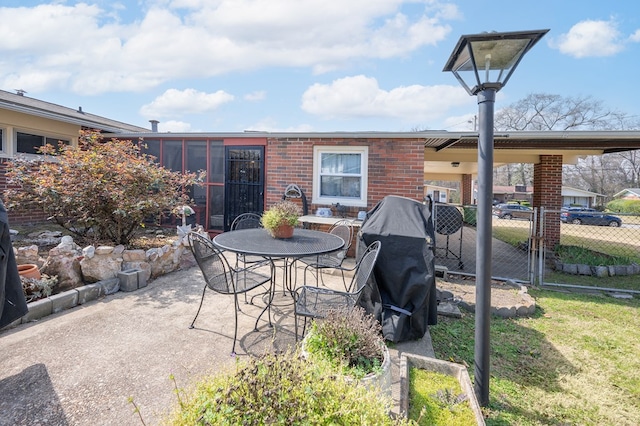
pixel 83 365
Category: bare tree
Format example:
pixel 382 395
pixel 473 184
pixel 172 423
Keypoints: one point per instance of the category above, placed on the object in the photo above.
pixel 544 112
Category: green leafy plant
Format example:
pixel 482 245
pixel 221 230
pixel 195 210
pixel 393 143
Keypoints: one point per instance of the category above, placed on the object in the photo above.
pixel 99 190
pixel 349 340
pixel 281 389
pixel 282 213
pixel 575 254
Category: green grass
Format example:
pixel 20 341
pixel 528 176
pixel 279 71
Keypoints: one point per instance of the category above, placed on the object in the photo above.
pixel 575 362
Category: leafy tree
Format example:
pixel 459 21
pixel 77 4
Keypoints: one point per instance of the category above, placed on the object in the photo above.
pixel 99 191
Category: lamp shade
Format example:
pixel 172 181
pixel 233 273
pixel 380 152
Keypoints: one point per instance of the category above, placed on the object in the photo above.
pixel 487 60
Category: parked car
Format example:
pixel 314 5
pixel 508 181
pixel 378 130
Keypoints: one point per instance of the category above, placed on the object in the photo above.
pixel 510 211
pixel 589 217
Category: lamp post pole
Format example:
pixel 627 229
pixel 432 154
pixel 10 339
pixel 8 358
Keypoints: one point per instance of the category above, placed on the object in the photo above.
pixel 486 101
pixel 488 59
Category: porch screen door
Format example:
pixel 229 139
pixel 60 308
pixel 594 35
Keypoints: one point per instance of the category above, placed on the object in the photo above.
pixel 244 182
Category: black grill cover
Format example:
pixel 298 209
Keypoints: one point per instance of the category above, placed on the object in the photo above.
pixel 405 298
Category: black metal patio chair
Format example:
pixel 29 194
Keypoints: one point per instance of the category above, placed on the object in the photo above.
pixel 220 277
pixel 333 260
pixel 314 302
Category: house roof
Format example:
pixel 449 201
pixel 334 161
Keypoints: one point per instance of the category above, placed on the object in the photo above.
pixel 568 191
pixel 31 106
pixel 633 191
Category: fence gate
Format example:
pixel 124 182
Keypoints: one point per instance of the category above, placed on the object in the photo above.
pixel 512 255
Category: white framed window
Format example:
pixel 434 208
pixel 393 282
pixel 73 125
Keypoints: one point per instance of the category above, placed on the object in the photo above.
pixel 340 175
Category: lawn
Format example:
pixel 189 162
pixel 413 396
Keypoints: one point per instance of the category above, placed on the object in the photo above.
pixel 575 362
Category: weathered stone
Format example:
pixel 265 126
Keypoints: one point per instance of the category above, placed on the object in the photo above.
pixel 601 271
pixel 89 292
pixel 100 268
pixel 118 250
pixel 66 266
pixel 102 250
pixel 89 251
pixel 505 311
pixel 64 300
pixel 38 309
pixel 621 269
pixel 133 256
pixel 449 310
pixel 110 286
pixel 145 271
pixel 128 280
pixel 570 268
pixel 584 269
pixel 28 254
pixel 612 270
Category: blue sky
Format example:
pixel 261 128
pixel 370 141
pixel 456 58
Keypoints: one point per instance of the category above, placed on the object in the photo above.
pixel 305 65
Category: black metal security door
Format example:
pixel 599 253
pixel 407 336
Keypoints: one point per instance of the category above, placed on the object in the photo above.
pixel 244 182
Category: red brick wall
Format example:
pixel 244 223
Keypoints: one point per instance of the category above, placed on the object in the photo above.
pixel 17 216
pixel 396 167
pixel 467 190
pixel 547 193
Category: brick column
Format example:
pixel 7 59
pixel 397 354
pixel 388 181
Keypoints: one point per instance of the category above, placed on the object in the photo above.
pixel 467 190
pixel 547 193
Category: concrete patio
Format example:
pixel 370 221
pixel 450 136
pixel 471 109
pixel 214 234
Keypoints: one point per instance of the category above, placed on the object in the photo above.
pixel 82 366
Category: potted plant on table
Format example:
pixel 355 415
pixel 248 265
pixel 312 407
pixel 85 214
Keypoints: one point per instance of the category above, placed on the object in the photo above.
pixel 351 341
pixel 281 218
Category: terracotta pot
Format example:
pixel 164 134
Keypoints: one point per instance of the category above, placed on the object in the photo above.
pixel 283 231
pixel 29 270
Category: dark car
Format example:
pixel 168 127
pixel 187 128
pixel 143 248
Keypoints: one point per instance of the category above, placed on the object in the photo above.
pixel 590 217
pixel 510 211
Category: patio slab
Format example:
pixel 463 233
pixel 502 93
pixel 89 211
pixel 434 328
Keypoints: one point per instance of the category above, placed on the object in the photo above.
pixel 82 366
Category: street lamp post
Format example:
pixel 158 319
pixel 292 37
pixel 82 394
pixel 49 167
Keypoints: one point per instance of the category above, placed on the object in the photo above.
pixel 488 59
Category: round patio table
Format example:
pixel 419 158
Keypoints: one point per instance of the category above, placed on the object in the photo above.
pixel 258 242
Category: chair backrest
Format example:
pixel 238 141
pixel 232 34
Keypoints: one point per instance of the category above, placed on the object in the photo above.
pixel 246 221
pixel 365 267
pixel 344 230
pixel 212 263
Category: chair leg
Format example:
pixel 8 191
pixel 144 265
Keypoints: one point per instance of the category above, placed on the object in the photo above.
pixel 235 332
pixel 199 307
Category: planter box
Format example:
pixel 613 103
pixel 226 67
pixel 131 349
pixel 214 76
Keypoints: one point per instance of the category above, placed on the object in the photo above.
pixel 408 361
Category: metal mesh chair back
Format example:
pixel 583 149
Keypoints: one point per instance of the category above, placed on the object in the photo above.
pixel 246 221
pixel 212 264
pixel 365 267
pixel 344 230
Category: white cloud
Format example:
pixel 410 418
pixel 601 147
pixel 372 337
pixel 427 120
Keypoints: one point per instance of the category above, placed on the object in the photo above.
pixel 361 96
pixel 635 37
pixel 92 51
pixel 174 126
pixel 590 39
pixel 174 103
pixel 259 95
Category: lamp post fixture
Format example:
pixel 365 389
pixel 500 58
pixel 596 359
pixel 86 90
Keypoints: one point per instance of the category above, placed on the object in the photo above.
pixel 488 60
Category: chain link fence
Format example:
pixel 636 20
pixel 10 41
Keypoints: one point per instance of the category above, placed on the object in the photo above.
pixel 456 243
pixel 594 249
pixel 591 249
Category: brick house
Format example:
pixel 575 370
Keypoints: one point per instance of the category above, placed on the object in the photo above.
pixel 248 171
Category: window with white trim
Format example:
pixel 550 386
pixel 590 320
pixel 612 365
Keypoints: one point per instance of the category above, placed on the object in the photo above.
pixel 27 143
pixel 340 175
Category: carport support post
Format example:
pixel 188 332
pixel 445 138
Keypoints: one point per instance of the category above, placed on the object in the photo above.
pixel 486 102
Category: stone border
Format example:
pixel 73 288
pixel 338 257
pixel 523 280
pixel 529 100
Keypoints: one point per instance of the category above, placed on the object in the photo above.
pixel 597 271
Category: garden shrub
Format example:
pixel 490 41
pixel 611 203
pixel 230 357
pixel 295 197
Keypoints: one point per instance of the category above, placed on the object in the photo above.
pixel 624 206
pixel 99 191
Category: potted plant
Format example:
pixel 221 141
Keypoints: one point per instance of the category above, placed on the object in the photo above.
pixel 281 218
pixel 351 342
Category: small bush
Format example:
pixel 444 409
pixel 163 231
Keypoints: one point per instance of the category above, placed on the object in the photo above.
pixel 349 340
pixel 582 255
pixel 624 206
pixel 281 390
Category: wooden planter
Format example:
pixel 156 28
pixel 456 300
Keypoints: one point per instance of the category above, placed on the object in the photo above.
pixel 408 361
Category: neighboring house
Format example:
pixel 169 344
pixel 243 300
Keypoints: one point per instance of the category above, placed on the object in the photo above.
pixel 247 171
pixel 504 194
pixel 440 194
pixel 628 194
pixel 573 197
